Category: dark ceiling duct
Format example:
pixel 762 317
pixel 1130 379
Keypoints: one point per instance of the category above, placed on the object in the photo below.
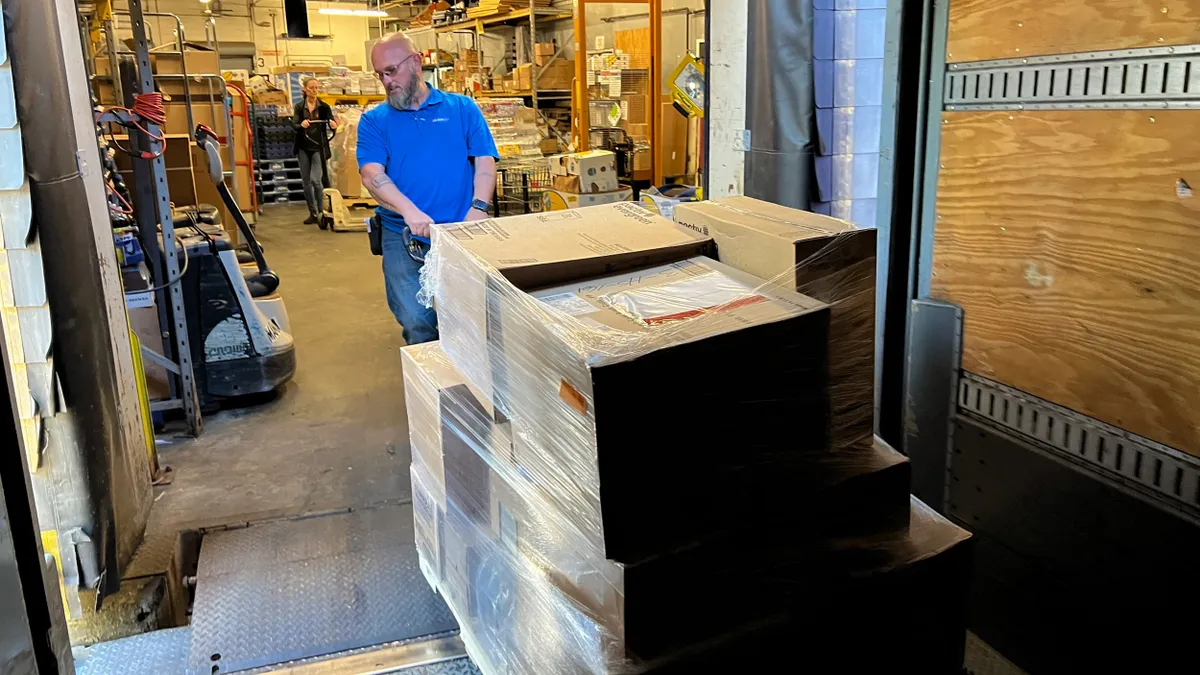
pixel 296 14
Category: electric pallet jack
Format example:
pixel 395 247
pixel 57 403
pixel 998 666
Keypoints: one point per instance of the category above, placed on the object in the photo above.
pixel 237 349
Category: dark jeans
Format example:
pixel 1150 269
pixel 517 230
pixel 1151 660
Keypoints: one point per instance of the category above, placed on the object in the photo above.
pixel 401 277
pixel 316 179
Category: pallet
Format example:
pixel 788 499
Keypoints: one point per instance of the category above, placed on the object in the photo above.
pixel 345 214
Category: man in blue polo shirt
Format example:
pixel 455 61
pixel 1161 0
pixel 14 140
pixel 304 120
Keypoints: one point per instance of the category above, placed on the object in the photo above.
pixel 427 157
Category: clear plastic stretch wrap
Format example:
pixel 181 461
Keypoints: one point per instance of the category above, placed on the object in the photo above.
pixel 624 448
pixel 637 396
pixel 532 599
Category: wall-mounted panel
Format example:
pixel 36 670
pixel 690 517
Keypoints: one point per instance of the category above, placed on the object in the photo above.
pixel 1070 239
pixel 982 30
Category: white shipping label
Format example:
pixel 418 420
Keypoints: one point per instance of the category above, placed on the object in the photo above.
pixel 569 303
pixel 682 298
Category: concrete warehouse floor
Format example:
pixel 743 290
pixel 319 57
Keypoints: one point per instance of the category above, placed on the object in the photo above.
pixel 336 436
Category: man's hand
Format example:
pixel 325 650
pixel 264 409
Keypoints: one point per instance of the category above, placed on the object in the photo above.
pixel 304 124
pixel 417 222
pixel 475 214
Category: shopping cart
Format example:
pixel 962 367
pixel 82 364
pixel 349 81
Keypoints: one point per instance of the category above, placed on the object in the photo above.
pixel 519 187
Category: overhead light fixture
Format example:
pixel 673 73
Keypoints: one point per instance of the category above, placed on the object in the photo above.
pixel 337 11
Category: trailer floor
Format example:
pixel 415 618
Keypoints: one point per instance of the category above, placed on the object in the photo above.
pixel 335 437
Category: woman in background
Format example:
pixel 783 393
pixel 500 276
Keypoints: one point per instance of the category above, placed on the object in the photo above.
pixel 312 115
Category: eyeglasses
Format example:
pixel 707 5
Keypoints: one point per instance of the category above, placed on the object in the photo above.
pixel 391 71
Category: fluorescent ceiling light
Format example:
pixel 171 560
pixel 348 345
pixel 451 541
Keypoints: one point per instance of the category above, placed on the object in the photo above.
pixel 337 11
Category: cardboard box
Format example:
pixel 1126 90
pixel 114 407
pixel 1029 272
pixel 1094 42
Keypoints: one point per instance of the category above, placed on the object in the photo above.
pixel 574 368
pixel 316 69
pixel 197 61
pixel 577 185
pixel 596 169
pixel 523 76
pixel 548 146
pixel 557 200
pixel 272 97
pixel 591 165
pixel 641 611
pixel 538 249
pixel 202 113
pixel 429 514
pixel 559 74
pixel 828 259
pixel 543 52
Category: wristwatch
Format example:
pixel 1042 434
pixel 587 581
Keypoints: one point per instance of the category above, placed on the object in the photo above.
pixel 479 204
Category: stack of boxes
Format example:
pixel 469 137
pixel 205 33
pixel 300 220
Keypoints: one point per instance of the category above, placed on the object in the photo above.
pixel 584 179
pixel 633 455
pixel 553 75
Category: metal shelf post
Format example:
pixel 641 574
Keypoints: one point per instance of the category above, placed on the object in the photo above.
pixel 154 204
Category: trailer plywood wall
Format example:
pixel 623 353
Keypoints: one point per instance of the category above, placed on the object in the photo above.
pixel 982 30
pixel 1071 239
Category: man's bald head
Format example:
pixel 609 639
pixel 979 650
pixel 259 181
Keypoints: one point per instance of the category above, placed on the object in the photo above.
pixel 397 63
pixel 391 49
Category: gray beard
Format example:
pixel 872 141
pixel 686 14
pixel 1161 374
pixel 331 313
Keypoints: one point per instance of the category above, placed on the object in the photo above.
pixel 404 98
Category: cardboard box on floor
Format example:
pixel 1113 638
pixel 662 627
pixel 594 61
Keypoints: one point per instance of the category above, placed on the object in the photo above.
pixel 829 259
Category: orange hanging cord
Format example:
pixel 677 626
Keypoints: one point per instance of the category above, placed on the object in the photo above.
pixel 148 108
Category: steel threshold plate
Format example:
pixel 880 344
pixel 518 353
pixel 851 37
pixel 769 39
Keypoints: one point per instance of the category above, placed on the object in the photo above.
pixel 294 590
pixel 158 652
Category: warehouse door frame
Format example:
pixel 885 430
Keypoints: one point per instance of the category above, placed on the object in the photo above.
pixel 1051 526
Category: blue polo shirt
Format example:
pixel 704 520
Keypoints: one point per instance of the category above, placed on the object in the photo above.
pixel 426 152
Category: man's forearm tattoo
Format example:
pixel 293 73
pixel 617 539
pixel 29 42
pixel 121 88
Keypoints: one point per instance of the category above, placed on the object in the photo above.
pixel 380 180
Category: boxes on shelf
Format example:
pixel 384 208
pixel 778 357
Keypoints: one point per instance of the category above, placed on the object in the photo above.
pixel 543 52
pixel 197 60
pixel 557 75
pixel 271 97
pixel 828 259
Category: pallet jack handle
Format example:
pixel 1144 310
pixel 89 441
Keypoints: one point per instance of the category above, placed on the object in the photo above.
pixel 206 140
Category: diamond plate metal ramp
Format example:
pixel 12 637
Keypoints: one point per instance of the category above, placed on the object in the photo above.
pixel 158 652
pixel 290 590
